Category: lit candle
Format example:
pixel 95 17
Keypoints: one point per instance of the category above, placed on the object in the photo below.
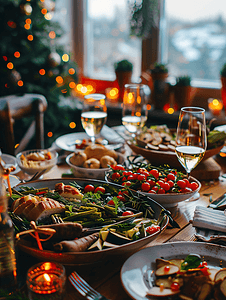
pixel 46 280
pixel 215 106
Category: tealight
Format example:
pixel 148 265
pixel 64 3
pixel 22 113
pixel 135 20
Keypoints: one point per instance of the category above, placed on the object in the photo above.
pixel 215 106
pixel 46 280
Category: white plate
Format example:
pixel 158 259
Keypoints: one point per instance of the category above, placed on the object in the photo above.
pixel 136 272
pixel 67 141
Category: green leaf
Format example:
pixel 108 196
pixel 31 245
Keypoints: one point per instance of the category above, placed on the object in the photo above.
pixel 192 261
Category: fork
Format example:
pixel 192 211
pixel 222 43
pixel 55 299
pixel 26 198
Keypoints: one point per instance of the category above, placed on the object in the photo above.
pixel 84 288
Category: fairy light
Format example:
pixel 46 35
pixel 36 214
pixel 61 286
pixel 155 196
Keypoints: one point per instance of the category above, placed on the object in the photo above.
pixel 17 54
pixel 30 37
pixel 50 134
pixel 84 89
pixel 79 87
pixel 72 85
pixel 72 125
pixel 170 111
pixel 5 58
pixel 59 79
pixel 28 21
pixel 89 88
pixel 148 106
pixel 27 26
pixel 44 11
pixel 65 57
pixel 10 65
pixel 20 83
pixel 64 91
pixel 16 146
pixel 71 71
pixel 11 24
pixel 52 34
pixel 42 71
pixel 48 16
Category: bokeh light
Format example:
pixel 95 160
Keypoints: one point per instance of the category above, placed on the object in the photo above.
pixel 65 57
pixel 42 71
pixel 72 125
pixel 30 37
pixel 17 54
pixel 59 79
pixel 52 34
pixel 10 65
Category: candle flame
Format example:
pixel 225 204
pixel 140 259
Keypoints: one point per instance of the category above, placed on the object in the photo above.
pixel 47 277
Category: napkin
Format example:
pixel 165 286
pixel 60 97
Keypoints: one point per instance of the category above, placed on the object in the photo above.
pixel 111 135
pixel 209 218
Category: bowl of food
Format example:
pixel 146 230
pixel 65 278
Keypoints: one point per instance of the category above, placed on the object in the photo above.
pixel 94 161
pixel 92 224
pixel 157 145
pixel 33 161
pixel 163 184
pixel 8 161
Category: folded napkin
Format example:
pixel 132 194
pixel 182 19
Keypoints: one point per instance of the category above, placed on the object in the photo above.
pixel 111 135
pixel 209 218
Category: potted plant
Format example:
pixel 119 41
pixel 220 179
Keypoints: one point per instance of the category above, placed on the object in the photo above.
pixel 123 72
pixel 182 91
pixel 223 82
pixel 159 86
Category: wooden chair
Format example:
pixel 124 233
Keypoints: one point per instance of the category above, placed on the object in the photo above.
pixel 14 108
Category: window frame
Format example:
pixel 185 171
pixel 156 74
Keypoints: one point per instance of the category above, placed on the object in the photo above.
pixel 151 51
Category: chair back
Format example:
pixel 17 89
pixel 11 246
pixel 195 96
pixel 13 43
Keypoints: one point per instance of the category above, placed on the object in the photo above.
pixel 14 108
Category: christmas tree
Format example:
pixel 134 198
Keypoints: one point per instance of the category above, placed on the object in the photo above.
pixel 31 60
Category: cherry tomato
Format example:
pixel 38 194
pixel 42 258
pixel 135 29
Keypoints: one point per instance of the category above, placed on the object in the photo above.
pixel 121 198
pixel 175 286
pixel 89 188
pixel 115 176
pixel 181 183
pixel 145 186
pixel 124 178
pixel 171 183
pixel 166 269
pixel 130 177
pixel 151 182
pixel 141 170
pixel 119 167
pixel 152 229
pixel 127 213
pixel 186 190
pixel 123 192
pixel 161 183
pixel 161 191
pixel 166 186
pixel 141 177
pixel 125 173
pixel 193 185
pixel 155 188
pixel 126 183
pixel 111 202
pixel 187 182
pixel 99 189
pixel 152 192
pixel 171 176
pixel 154 173
pixel 205 271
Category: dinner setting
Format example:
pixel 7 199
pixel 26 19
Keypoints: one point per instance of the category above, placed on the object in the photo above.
pixel 112 183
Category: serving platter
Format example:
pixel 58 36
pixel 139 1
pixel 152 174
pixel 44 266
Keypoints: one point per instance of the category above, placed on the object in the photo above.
pixel 137 272
pixel 90 257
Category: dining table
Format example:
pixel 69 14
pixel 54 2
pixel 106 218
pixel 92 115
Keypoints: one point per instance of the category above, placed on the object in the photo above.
pixel 104 276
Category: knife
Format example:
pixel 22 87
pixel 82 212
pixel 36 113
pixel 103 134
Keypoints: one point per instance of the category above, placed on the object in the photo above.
pixel 218 202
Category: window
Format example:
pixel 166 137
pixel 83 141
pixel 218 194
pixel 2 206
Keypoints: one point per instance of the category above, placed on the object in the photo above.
pixel 195 39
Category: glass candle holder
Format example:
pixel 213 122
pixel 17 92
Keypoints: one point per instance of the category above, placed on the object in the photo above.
pixel 46 280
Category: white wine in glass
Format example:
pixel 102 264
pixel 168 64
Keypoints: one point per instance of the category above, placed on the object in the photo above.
pixel 94 114
pixel 191 141
pixel 134 109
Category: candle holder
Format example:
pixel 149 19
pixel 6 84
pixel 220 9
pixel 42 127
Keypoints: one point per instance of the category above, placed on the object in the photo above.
pixel 46 280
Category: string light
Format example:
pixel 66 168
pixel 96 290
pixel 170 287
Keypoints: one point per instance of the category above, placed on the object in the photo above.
pixel 44 11
pixel 30 37
pixel 148 106
pixel 64 91
pixel 48 16
pixel 10 65
pixel 5 58
pixel 42 71
pixel 65 57
pixel 27 26
pixel 71 71
pixel 52 34
pixel 59 79
pixel 11 24
pixel 28 21
pixel 17 54
pixel 72 85
pixel 50 134
pixel 20 83
pixel 72 125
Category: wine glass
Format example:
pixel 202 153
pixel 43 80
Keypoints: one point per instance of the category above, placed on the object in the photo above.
pixel 134 109
pixel 191 138
pixel 94 114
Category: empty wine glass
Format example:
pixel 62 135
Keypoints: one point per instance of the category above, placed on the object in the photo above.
pixel 191 138
pixel 134 109
pixel 94 114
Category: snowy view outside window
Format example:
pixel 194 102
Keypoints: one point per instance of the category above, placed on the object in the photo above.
pixel 108 40
pixel 195 42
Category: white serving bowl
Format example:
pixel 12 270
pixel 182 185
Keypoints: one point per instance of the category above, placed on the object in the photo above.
pixel 81 172
pixel 172 199
pixel 37 166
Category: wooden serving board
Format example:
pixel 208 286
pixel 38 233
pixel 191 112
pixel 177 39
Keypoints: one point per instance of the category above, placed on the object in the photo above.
pixel 208 169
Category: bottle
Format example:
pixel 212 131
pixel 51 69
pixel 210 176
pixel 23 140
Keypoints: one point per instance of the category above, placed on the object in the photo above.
pixel 8 272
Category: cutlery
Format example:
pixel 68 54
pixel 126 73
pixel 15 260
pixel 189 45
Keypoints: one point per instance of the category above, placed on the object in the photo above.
pixel 218 202
pixel 84 288
pixel 34 177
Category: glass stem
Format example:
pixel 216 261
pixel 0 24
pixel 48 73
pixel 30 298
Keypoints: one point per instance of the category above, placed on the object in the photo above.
pixel 93 139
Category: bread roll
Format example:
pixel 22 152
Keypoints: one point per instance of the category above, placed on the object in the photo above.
pixel 92 163
pixel 107 161
pixel 78 158
pixel 98 151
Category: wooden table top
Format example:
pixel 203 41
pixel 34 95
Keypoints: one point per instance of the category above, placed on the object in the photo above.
pixel 105 276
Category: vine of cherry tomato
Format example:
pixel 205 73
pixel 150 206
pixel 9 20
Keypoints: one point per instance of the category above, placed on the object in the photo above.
pixel 154 180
